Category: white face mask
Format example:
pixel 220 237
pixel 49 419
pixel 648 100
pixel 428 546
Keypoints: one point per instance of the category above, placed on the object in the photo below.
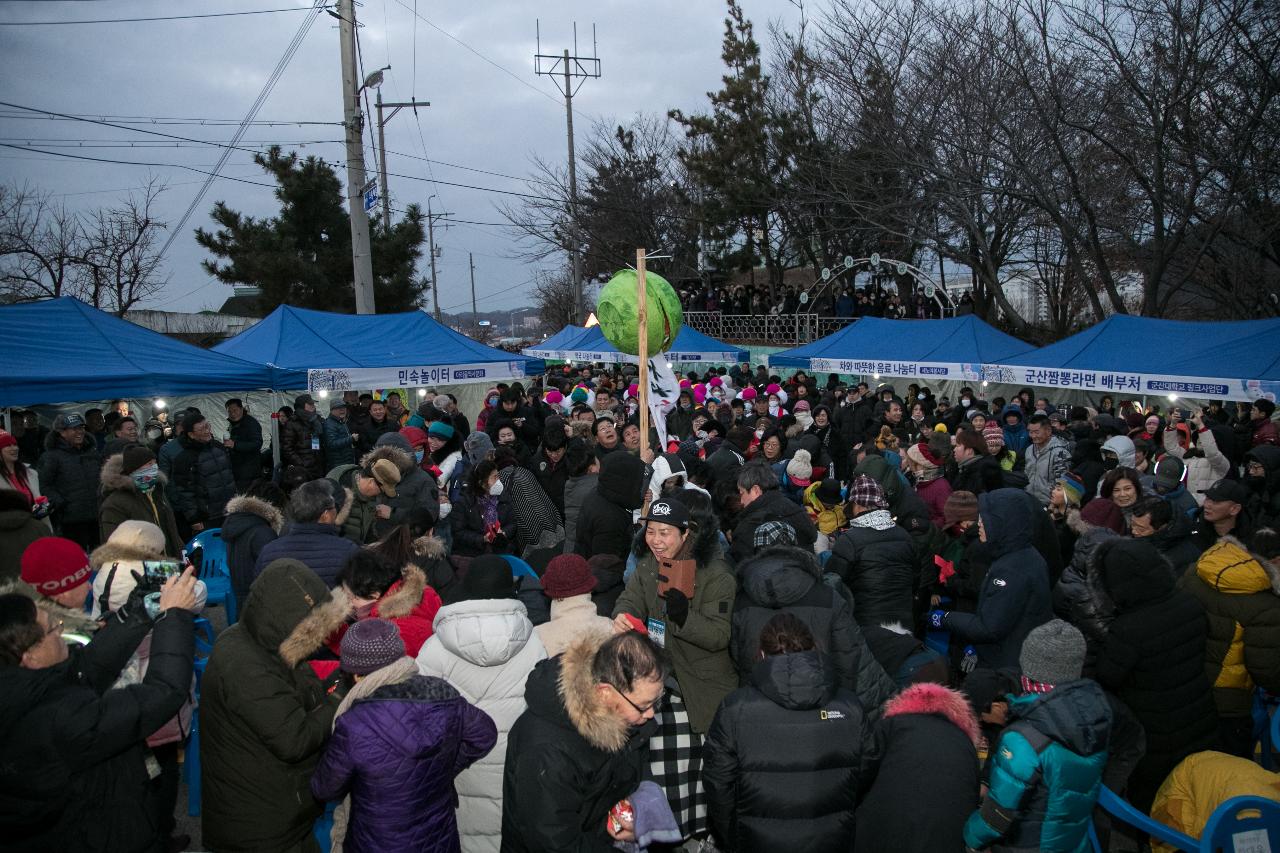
pixel 966 402
pixel 919 396
pixel 496 488
pixel 445 509
pixel 759 433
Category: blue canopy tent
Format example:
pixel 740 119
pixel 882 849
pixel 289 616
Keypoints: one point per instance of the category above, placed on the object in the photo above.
pixel 954 348
pixel 342 352
pixel 1237 360
pixel 62 351
pixel 590 344
pixel 553 345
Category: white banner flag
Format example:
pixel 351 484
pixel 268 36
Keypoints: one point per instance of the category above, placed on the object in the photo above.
pixel 664 393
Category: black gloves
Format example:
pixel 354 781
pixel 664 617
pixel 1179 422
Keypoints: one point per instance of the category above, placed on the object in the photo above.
pixel 677 606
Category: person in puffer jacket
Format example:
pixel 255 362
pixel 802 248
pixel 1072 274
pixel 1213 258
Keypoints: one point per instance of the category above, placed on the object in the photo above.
pixel 926 725
pixel 1015 595
pixel 118 564
pixel 316 513
pixel 1074 598
pixel 1200 784
pixel 1046 769
pixel 399 739
pixel 605 522
pixel 1153 660
pixel 69 478
pixel 253 520
pixel 786 579
pixel 875 558
pixel 265 716
pixel 1239 587
pixel 786 757
pixel 134 489
pixel 203 480
pixel 484 645
pixel 399 595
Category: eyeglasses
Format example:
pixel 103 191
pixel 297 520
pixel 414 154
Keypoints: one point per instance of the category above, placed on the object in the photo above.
pixel 652 706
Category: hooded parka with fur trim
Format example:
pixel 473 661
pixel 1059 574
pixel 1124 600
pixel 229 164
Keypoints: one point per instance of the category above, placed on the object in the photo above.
pixel 122 500
pixel 251 524
pixel 264 716
pixel 571 760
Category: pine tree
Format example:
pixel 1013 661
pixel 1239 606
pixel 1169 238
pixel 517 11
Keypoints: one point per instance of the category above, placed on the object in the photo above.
pixel 302 256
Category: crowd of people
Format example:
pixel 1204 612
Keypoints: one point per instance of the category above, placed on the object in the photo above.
pixel 816 616
pixel 846 301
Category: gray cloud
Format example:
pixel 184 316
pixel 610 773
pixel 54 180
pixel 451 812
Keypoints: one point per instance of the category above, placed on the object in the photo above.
pixel 655 56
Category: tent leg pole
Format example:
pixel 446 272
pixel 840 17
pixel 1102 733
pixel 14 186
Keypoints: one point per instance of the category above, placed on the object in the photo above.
pixel 275 430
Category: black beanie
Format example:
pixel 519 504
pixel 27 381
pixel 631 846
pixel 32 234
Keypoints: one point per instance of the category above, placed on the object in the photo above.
pixel 134 457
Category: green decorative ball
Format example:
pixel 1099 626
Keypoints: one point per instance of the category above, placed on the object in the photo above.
pixel 618 311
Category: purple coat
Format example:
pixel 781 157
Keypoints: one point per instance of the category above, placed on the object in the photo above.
pixel 396 753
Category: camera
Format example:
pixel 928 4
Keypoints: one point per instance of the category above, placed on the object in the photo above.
pixel 156 572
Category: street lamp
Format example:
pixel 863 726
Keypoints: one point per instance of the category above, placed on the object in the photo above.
pixel 374 80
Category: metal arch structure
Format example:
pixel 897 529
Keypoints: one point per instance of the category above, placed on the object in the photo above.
pixel 876 264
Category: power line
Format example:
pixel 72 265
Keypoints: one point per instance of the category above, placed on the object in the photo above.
pixel 144 20
pixel 161 120
pixel 136 163
pixel 49 142
pixel 267 88
pixel 502 68
pixel 103 123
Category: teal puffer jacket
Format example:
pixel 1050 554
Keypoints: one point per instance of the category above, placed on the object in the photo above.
pixel 1046 772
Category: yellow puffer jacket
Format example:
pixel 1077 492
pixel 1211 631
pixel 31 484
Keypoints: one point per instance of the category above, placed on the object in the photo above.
pixel 828 519
pixel 1240 592
pixel 1200 784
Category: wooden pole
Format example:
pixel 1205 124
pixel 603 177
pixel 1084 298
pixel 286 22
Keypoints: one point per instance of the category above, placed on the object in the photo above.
pixel 642 329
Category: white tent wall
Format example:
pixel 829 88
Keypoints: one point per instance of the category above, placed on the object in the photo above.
pixel 258 403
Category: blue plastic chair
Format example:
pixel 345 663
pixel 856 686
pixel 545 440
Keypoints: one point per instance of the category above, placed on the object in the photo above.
pixel 1266 726
pixel 323 827
pixel 519 568
pixel 1268 757
pixel 1229 823
pixel 191 758
pixel 1118 808
pixel 214 570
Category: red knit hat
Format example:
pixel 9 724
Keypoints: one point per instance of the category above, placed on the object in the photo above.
pixel 923 455
pixel 416 437
pixel 568 575
pixel 54 565
pixel 1101 512
pixel 7 439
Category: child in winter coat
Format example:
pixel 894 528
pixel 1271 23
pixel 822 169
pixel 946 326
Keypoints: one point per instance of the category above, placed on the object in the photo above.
pixel 399 739
pixel 1046 769
pixel 825 506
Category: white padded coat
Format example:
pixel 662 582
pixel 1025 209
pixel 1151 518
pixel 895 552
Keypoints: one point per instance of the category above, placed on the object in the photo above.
pixel 486 649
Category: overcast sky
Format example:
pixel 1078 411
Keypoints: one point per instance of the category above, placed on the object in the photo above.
pixel 488 111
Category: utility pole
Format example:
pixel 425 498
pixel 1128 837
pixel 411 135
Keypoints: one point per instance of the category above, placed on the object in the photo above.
pixel 431 246
pixel 382 152
pixel 475 321
pixel 574 70
pixel 361 257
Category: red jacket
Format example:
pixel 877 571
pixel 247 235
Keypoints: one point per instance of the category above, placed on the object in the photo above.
pixel 410 604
